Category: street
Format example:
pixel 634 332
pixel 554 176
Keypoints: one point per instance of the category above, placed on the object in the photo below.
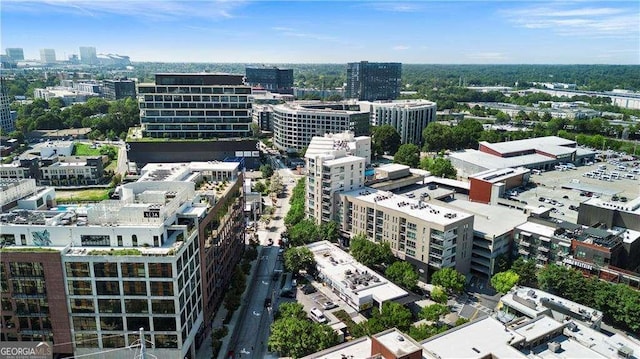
pixel 252 332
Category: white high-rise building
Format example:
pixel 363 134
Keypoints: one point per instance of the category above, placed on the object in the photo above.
pixel 47 56
pixel 88 55
pixel 408 117
pixel 335 163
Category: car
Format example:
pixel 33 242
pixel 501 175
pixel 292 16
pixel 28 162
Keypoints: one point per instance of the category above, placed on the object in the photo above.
pixel 308 289
pixel 267 302
pixel 329 305
pixel 542 199
pixel 573 208
pixel 615 198
pixel 565 197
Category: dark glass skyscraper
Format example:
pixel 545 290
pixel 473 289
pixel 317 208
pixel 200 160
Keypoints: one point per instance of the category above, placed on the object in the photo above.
pixel 272 79
pixel 373 81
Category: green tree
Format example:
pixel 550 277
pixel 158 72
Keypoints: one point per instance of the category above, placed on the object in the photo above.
pixel 449 279
pixel 408 154
pixel 433 312
pixel 437 137
pixel 386 138
pixel 527 272
pixel 267 171
pixel 260 187
pixel 392 315
pixel 297 204
pixel 502 118
pixel 303 232
pixel 402 273
pixel 291 310
pixel 439 166
pixel 329 231
pixel 504 281
pixel 299 258
pixel 369 253
pixel 294 337
pixel 439 295
pixel 424 331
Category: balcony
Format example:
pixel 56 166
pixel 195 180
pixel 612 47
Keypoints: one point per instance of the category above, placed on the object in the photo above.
pixel 524 244
pixel 543 249
pixel 523 251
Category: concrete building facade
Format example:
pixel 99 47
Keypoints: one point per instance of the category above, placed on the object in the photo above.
pixel 294 124
pixel 408 117
pixel 88 55
pixel 48 56
pixel 425 234
pixel 195 106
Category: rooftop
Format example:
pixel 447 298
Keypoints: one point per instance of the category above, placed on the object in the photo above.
pixel 490 220
pixel 410 207
pixel 534 302
pixel 548 143
pixel 632 206
pixel 397 342
pixel 486 160
pixel 498 175
pixel 341 268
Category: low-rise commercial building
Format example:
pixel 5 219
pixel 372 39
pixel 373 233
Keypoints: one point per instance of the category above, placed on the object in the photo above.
pixel 356 284
pixel 488 186
pixel 541 153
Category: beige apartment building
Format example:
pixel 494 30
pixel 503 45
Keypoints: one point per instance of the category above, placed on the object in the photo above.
pixel 427 235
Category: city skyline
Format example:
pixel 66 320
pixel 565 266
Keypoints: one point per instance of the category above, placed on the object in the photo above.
pixel 457 32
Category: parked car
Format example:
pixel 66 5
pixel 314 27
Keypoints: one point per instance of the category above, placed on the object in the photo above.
pixel 308 289
pixel 267 302
pixel 329 305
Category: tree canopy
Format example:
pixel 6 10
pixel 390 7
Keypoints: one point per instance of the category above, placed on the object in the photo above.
pixel 402 273
pixel 299 258
pixel 449 279
pixel 296 202
pixel 433 312
pixel 408 154
pixel 504 281
pixel 439 167
pixel 526 271
pixel 385 139
pixel 369 253
pixel 293 335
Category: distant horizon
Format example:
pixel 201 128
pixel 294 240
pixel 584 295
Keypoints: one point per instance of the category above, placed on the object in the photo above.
pixel 489 32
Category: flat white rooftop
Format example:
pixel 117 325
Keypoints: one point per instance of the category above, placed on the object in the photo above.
pixel 486 160
pixel 335 263
pixel 397 342
pixel 529 144
pixel 531 227
pixel 489 219
pixel 498 175
pixel 633 206
pixel 410 207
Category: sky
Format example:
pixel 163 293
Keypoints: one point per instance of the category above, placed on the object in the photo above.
pixel 307 31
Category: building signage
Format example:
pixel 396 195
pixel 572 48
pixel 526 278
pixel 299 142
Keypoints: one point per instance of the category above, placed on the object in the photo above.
pixel 25 350
pixel 578 263
pixel 151 214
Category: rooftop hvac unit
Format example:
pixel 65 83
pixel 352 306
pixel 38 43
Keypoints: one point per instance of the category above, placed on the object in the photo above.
pixel 554 347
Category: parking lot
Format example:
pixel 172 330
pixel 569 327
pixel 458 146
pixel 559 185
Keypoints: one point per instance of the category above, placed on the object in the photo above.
pixel 565 190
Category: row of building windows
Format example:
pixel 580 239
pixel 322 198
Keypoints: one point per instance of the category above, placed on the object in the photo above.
pixel 90 323
pixel 195 90
pixel 110 270
pixel 133 288
pixel 194 98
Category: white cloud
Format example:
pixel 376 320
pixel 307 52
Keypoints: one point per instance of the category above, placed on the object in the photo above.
pixel 159 10
pixel 568 20
pixel 396 6
pixel 401 47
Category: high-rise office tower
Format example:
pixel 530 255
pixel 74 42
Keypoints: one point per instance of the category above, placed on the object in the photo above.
pixel 7 120
pixel 271 78
pixel 196 106
pixel 88 55
pixel 373 81
pixel 119 89
pixel 15 53
pixel 47 56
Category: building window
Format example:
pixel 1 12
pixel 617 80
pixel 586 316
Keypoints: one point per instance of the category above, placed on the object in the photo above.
pixel 156 241
pixel 164 323
pixel 160 270
pixel 134 288
pixel 134 240
pixel 23 239
pixel 82 306
pixel 133 270
pixel 78 269
pixel 105 270
pixel 86 340
pixel 161 288
pixel 135 323
pixel 107 288
pixel 112 341
pixel 109 306
pixel 119 241
pixel 160 306
pixel 136 306
pixel 166 341
pixel 95 240
pixel 26 269
pixel 79 287
pixel 84 323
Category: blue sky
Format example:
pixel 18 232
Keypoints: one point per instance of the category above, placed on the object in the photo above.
pixel 444 32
